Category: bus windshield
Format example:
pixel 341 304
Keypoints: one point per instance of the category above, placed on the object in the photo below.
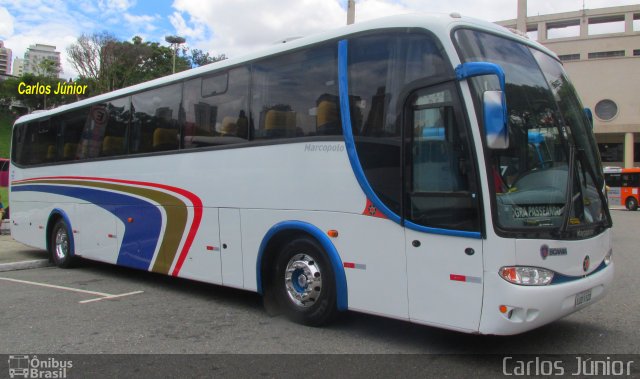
pixel 550 177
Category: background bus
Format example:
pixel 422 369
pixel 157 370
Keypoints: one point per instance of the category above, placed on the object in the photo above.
pixel 624 184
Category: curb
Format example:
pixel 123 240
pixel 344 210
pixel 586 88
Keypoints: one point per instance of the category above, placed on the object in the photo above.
pixel 25 265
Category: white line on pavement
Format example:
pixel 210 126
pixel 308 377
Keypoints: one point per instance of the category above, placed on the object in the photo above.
pixel 102 295
pixel 110 297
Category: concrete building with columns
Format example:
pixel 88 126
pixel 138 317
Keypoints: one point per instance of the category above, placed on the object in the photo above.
pixel 600 50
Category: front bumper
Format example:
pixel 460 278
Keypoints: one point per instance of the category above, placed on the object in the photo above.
pixel 530 307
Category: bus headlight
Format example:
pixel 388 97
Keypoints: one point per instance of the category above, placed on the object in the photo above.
pixel 607 258
pixel 526 276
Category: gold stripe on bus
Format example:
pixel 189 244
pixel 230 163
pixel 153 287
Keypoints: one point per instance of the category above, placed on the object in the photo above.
pixel 174 208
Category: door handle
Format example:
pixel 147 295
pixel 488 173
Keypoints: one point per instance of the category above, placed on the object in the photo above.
pixel 416 243
pixel 469 251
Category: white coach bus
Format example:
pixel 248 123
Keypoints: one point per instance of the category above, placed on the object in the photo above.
pixel 384 168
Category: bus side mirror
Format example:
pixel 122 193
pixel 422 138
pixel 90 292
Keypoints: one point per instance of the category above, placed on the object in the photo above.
pixel 495 123
pixel 494 103
pixel 587 112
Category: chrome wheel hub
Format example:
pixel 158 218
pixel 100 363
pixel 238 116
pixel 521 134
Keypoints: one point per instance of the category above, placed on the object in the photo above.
pixel 62 244
pixel 303 280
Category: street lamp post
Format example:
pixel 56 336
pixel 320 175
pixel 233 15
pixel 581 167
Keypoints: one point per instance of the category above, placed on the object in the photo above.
pixel 175 41
pixel 351 11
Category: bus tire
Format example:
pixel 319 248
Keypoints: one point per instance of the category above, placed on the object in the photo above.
pixel 632 204
pixel 60 245
pixel 304 283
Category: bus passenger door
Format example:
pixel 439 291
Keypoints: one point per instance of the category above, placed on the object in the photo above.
pixel 441 214
pixel 444 279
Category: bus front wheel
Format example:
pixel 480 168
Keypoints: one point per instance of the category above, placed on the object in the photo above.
pixel 304 283
pixel 632 204
pixel 60 245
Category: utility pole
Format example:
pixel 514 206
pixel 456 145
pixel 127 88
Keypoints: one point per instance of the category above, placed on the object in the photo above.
pixel 175 41
pixel 351 11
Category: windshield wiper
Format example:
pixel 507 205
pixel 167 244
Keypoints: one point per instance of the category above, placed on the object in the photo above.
pixel 569 196
pixel 603 201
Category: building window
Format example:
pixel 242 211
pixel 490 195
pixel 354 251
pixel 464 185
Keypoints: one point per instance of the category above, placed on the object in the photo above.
pixel 606 109
pixel 606 54
pixel 636 52
pixel 611 152
pixel 569 57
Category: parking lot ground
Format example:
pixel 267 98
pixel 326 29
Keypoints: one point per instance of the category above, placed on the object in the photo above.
pixel 12 251
pixel 16 256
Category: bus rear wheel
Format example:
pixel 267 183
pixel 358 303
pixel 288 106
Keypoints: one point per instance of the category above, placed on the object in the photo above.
pixel 304 283
pixel 60 246
pixel 632 204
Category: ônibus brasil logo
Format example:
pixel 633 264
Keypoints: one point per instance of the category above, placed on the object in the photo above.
pixel 25 366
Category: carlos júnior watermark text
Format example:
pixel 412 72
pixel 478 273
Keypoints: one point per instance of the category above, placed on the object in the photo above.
pixel 577 366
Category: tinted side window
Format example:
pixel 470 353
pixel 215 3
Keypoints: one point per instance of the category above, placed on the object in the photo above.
pixel 104 130
pixel 216 109
pixel 18 144
pixel 631 180
pixel 155 116
pixel 380 66
pixel 613 180
pixel 296 94
pixel 70 129
pixel 36 143
pixel 117 130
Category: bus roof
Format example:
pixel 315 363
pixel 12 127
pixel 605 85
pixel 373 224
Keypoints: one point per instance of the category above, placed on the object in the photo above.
pixel 618 170
pixel 439 23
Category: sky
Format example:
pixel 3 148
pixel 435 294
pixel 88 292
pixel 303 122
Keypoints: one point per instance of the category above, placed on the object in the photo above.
pixel 231 27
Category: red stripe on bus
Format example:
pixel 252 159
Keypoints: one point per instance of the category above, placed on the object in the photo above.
pixel 195 200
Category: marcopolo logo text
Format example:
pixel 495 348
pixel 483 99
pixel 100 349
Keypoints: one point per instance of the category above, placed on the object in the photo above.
pixel 323 148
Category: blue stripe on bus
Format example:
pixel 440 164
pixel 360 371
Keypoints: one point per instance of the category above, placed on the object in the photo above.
pixel 139 240
pixel 343 84
pixel 345 115
pixel 327 245
pixel 560 278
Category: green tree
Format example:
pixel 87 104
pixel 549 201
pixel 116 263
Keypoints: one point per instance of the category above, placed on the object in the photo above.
pixel 88 56
pixel 48 68
pixel 200 58
pixel 110 64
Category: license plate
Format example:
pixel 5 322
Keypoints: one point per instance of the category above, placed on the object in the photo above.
pixel 583 297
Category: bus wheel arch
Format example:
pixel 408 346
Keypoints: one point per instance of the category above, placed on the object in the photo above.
pixel 301 244
pixel 59 239
pixel 631 203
